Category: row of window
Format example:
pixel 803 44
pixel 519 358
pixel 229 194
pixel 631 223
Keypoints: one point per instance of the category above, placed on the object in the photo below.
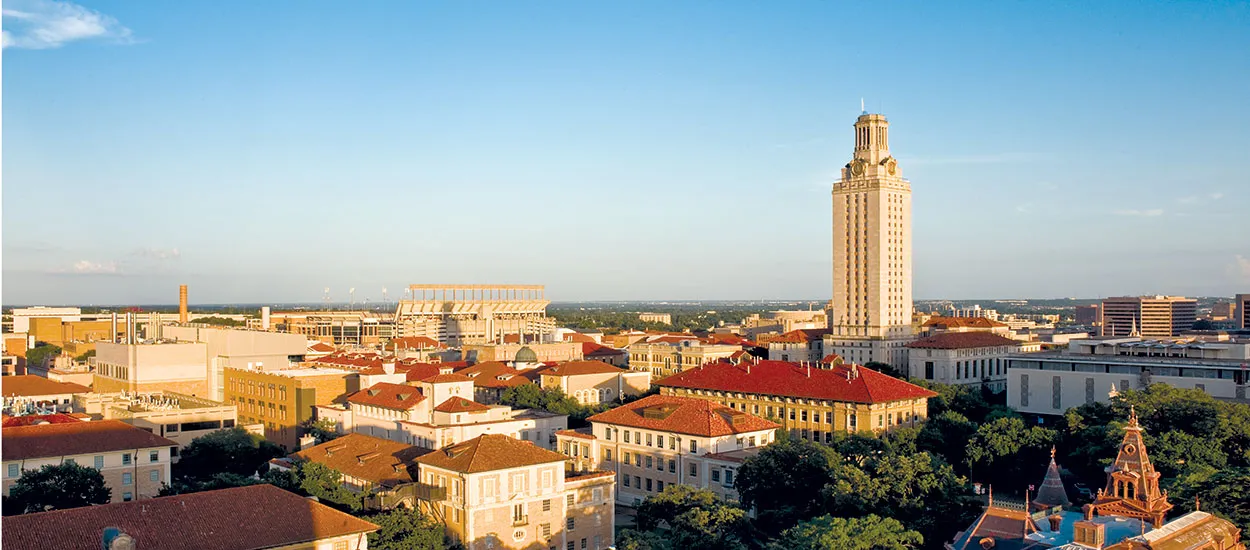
pixel 251 387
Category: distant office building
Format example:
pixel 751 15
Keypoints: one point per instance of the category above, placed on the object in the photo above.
pixel 474 314
pixel 1241 315
pixel 1148 316
pixel 22 316
pixel 1090 371
pixel 522 353
pixel 798 346
pixel 1087 315
pixel 336 328
pixel 781 321
pixel 241 518
pixel 239 348
pixel 281 400
pixel 1222 311
pixel 152 367
pixel 661 318
pixel 133 461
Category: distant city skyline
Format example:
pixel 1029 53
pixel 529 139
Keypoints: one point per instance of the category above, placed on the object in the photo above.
pixel 639 152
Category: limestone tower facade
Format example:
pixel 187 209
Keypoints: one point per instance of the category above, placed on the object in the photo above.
pixel 870 315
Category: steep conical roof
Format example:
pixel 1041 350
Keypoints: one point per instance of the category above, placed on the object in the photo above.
pixel 1052 492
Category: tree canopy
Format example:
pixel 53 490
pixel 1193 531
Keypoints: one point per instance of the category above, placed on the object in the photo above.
pixel 870 532
pixel 227 451
pixel 405 529
pixel 42 354
pixel 553 400
pixel 681 517
pixel 56 487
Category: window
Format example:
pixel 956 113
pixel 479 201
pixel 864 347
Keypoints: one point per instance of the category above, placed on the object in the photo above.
pixel 791 414
pixel 672 443
pixel 803 415
pixel 127 497
pixel 648 484
pixel 607 455
pixel 340 545
pixel 648 440
pixel 125 459
pixel 171 428
pixel 637 460
pixel 154 476
pixel 694 470
pixel 928 370
pixel 625 457
pixel 568 524
pixel 607 434
pixel 571 546
pixel 659 441
pixel 729 478
pixel 546 529
pixel 569 499
pixel 489 488
pixel 659 486
pixel 649 462
pixel 154 456
pixel 518 513
pixel 127 479
pixel 13 470
pixel 694 446
pixel 627 436
pixel 627 481
pixel 583 544
pixel 672 466
pixel 716 475
pixel 547 505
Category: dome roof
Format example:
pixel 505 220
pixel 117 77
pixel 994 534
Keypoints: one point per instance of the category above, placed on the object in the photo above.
pixel 526 355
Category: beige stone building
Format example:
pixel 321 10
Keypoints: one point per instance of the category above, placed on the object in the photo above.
pixel 666 357
pixel 337 328
pixel 178 417
pixel 241 518
pixel 474 314
pixel 593 382
pixel 143 368
pixel 661 318
pixel 281 400
pixel 1148 316
pixel 781 322
pixel 798 346
pixel 239 348
pixel 810 402
pixel 133 461
pixel 870 314
pixel 662 440
pixel 495 491
pixel 964 358
pixel 553 352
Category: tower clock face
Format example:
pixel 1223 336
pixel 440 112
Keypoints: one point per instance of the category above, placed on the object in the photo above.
pixel 891 167
pixel 857 168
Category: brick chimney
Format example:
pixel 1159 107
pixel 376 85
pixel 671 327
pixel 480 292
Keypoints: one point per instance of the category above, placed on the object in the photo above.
pixel 182 304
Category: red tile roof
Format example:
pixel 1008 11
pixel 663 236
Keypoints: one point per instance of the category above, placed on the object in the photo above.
pixel 242 518
pixel 964 322
pixel 459 404
pixel 963 340
pixel 578 337
pixel 574 368
pixel 424 371
pixel 489 452
pixel 76 438
pixel 29 385
pixel 379 461
pixel 415 342
pixel 321 347
pixel 800 336
pixel 843 383
pixel 591 349
pixel 575 433
pixel 684 415
pixel 729 339
pixel 494 374
pixel 832 359
pixel 397 397
pixel 446 378
pixel 33 419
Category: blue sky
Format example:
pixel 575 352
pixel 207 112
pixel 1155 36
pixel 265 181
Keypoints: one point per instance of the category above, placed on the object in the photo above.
pixel 261 152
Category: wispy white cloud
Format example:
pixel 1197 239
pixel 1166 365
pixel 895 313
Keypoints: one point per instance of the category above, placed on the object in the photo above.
pixel 1198 199
pixel 1240 268
pixel 88 267
pixel 159 253
pixel 1216 196
pixel 43 24
pixel 1145 213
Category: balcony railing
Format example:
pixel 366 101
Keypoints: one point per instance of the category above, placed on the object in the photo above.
pixel 518 521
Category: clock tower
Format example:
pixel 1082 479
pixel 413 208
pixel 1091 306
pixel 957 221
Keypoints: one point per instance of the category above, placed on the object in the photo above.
pixel 870 315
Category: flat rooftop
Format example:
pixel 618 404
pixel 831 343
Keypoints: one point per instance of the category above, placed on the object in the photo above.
pixel 302 372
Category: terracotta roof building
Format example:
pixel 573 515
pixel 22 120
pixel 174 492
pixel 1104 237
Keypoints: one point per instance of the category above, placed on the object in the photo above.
pixel 963 358
pixel 28 394
pixel 242 518
pixel 593 382
pixel 665 440
pixel 495 491
pixel 812 402
pixel 368 464
pixel 134 462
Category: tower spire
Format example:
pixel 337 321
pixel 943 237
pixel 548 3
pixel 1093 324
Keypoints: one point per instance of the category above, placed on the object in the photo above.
pixel 862 110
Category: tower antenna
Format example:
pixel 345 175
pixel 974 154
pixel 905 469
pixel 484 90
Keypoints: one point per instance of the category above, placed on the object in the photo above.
pixel 862 110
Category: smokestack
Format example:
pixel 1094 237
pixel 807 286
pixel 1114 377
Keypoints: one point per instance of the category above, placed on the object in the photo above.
pixel 264 318
pixel 182 304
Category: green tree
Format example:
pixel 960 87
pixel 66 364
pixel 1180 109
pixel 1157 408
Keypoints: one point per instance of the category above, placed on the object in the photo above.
pixel 632 539
pixel 693 519
pixel 1007 453
pixel 405 529
pixel 56 487
pixel 946 435
pixel 231 450
pixel 886 369
pixel 785 481
pixel 42 354
pixel 552 400
pixel 323 429
pixel 219 321
pixel 865 533
pixel 84 356
pixel 326 483
pixel 1223 492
